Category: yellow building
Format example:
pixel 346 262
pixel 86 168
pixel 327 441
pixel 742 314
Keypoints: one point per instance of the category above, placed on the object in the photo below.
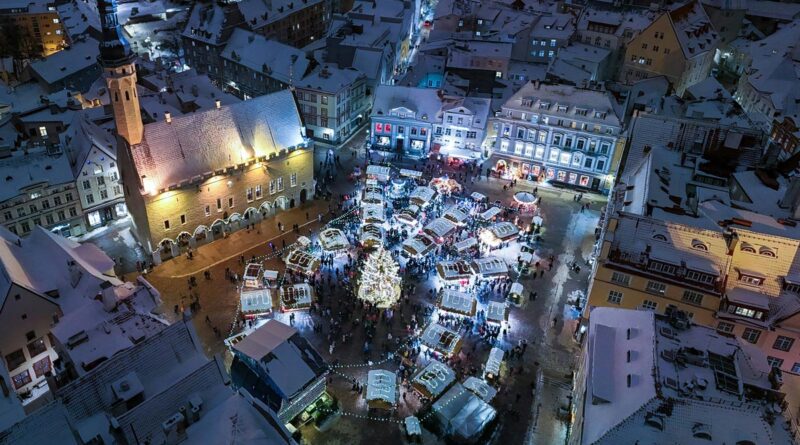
pixel 724 255
pixel 194 177
pixel 37 25
pixel 679 45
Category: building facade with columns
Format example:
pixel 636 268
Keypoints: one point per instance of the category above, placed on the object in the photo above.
pixel 197 177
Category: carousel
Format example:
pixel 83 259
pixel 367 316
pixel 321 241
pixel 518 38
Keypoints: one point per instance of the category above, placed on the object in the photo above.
pixel 526 200
pixel 295 297
pixel 334 241
pixel 441 339
pixel 302 262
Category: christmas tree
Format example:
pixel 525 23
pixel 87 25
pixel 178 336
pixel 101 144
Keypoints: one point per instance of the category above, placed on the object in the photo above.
pixel 380 283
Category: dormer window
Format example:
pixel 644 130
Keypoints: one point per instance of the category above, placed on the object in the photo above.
pixel 600 114
pixel 747 248
pixel 751 280
pixel 766 251
pixel 699 245
pixel 544 106
pixel 562 108
pixel 745 312
pixel 660 237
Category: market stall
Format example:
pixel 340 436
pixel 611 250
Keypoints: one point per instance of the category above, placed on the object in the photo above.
pixel 255 303
pixel 462 415
pixel 302 262
pixel 466 246
pixel 413 174
pixel 422 196
pixel 516 293
pixel 270 278
pixel 371 235
pixel 492 369
pixel 499 233
pixel 439 228
pixel 478 197
pixel 441 339
pixel 413 428
pixel 434 379
pixel 459 303
pixel 334 241
pixel 418 245
pixel 409 215
pixel 378 173
pixel 490 215
pixel 381 389
pixel 252 275
pixel 457 215
pixel 372 195
pixel 480 388
pixel 455 271
pixel 296 297
pixel 303 242
pixel 490 267
pixel 372 213
pixel 496 312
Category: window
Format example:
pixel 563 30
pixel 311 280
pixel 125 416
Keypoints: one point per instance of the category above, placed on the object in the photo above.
pixel 621 278
pixel 699 277
pixel 692 297
pixel 73 212
pixel 21 379
pixel 751 335
pixel 43 132
pixel 644 46
pixel 766 251
pixel 46 203
pixel 26 227
pixel 649 305
pixel 783 343
pixel 183 219
pixel 751 280
pixel 258 191
pixel 15 359
pixel 791 287
pixel 230 202
pixel 36 347
pixel 249 194
pixel 725 327
pixel 90 198
pixel 587 163
pixel 49 219
pixel 101 180
pixel 207 210
pixel 293 180
pixel 103 194
pixel 166 224
pixel 219 204
pixel 87 185
pixel 324 100
pixel 68 197
pixel 665 268
pixel 280 183
pixel 614 297
pixel 272 187
pixel 601 164
pixel 774 362
pixel 552 42
pixel 654 287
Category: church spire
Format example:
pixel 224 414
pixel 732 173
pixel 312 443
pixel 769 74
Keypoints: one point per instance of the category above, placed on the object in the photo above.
pixel 115 51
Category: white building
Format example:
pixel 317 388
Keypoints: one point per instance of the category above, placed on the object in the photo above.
pixel 462 126
pixel 562 134
pixel 649 378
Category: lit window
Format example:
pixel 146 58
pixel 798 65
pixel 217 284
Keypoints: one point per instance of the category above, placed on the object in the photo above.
pixel 43 131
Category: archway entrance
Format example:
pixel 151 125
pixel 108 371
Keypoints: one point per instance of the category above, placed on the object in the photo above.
pixel 303 196
pixel 282 203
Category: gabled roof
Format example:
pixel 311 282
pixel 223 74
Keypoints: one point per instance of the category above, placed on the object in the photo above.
pixel 693 29
pixel 425 102
pixel 268 56
pixel 201 143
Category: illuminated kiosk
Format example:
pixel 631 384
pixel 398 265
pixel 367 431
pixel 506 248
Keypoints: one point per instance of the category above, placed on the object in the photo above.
pixel 372 213
pixel 371 236
pixel 457 215
pixel 466 246
pixel 441 339
pixel 458 303
pixel 255 297
pixel 455 272
pixel 379 173
pixel 480 388
pixel 496 312
pixel 492 369
pixel 372 194
pixel 418 245
pixel 280 369
pixel 382 389
pixel 296 297
pixel 499 233
pixel 422 196
pixel 409 216
pixel 445 185
pixel 379 283
pixel 490 267
pixel 334 241
pixel 434 379
pixel 439 228
pixel 302 262
pixel 490 214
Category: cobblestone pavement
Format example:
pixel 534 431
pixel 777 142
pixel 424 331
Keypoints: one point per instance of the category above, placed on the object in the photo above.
pixel 568 235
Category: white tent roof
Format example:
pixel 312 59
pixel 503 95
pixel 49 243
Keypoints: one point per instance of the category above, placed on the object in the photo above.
pixel 489 214
pixel 412 426
pixel 516 288
pixel 382 385
pixel 440 227
pixel 434 378
pixel 333 240
pixel 480 388
pixel 463 414
pixel 456 214
pixel 256 300
pixel 372 212
pixel 410 173
pixel 408 215
pixel 296 295
pixel 419 244
pixel 490 266
pixel 466 244
pixel 459 302
pixel 494 361
pixel 478 196
pixel 504 230
pixel 422 195
pixel 303 262
pixel 378 172
pixel 440 338
pixel 496 311
pixel 454 270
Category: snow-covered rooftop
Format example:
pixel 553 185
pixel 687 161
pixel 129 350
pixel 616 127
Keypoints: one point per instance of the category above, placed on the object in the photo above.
pixel 424 103
pixel 329 79
pixel 433 379
pixel 419 244
pixel 277 60
pixel 21 170
pixel 693 29
pixel 57 66
pixel 547 98
pixel 382 386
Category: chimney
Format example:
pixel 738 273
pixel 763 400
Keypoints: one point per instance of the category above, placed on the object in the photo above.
pixel 109 296
pixel 218 104
pixel 168 117
pixel 535 84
